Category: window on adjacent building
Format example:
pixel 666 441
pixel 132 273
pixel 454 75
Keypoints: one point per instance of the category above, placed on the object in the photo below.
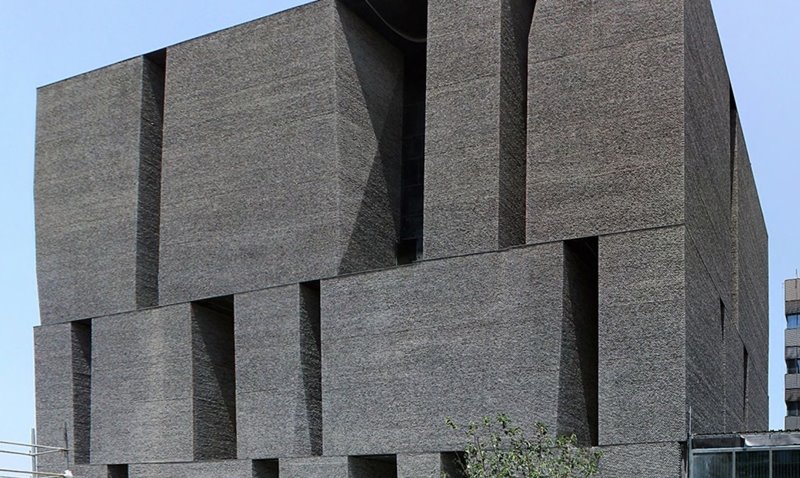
pixel 793 365
pixel 793 321
pixel 793 409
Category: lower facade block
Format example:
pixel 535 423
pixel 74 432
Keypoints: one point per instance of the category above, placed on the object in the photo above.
pixel 278 385
pixel 651 460
pixel 63 379
pixel 339 467
pixel 465 337
pixel 206 469
pixel 165 376
pixel 428 465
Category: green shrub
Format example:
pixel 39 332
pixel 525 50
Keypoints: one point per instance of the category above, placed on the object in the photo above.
pixel 495 448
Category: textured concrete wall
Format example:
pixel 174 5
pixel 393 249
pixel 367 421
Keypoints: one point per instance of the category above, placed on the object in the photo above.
pixel 653 460
pixel 278 384
pixel 206 469
pixel 63 382
pixel 605 118
pixel 404 349
pixel 753 290
pixel 642 336
pixel 281 154
pixel 727 247
pixel 142 383
pixel 338 467
pixel 708 338
pixel 163 375
pixel 475 125
pixel 213 383
pixel 315 467
pixel 90 152
pixel 431 465
pixel 603 134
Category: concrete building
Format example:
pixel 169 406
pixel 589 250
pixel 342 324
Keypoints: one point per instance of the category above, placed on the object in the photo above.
pixel 792 353
pixel 293 247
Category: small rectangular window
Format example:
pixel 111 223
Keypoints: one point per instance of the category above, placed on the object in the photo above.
pixel 792 365
pixel 118 471
pixel 793 321
pixel 793 409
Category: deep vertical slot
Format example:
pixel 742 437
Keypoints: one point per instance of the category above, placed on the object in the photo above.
pixel 81 390
pixel 578 378
pixel 517 17
pixel 149 191
pixel 745 366
pixel 722 318
pixel 734 209
pixel 412 180
pixel 117 471
pixel 214 379
pixel 311 360
pixel 734 132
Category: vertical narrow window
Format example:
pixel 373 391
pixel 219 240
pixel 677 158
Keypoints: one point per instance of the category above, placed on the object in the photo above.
pixel 149 188
pixel 311 360
pixel 722 318
pixel 745 366
pixel 412 181
pixel 517 18
pixel 214 379
pixel 578 402
pixel 81 390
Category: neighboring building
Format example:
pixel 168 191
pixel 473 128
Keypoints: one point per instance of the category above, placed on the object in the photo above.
pixel 750 455
pixel 293 247
pixel 792 344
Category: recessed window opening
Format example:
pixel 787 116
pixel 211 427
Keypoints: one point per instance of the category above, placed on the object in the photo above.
pixel 745 367
pixel 265 469
pixel 793 409
pixel 578 393
pixel 311 359
pixel 793 321
pixel 214 377
pixel 81 390
pixel 793 365
pixel 377 466
pixel 405 25
pixel 117 471
pixel 149 181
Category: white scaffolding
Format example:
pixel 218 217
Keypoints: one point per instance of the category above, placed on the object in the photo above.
pixel 33 451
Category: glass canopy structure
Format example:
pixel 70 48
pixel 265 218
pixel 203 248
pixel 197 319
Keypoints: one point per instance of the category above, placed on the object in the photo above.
pixel 762 455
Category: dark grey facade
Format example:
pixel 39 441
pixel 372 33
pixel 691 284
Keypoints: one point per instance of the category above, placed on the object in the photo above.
pixel 293 247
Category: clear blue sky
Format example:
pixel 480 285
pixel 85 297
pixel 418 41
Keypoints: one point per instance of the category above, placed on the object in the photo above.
pixel 42 41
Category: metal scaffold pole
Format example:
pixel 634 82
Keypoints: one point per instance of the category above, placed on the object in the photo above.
pixel 34 451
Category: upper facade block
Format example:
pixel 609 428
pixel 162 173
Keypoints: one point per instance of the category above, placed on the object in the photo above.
pixel 96 190
pixel 605 117
pixel 281 154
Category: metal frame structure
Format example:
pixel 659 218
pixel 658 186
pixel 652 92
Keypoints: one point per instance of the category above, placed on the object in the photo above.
pixel 733 451
pixel 34 452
